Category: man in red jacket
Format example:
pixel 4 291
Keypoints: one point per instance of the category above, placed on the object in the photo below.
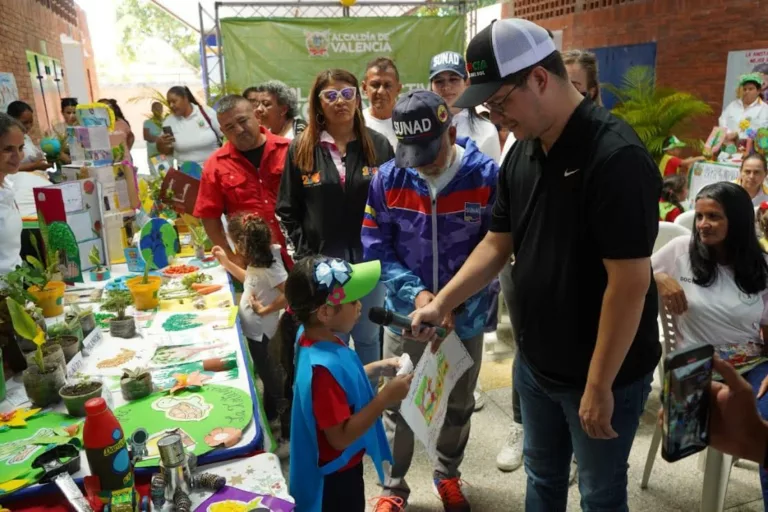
pixel 243 175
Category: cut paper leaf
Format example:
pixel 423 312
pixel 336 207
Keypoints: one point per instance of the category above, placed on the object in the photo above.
pixel 224 436
pixel 158 243
pixel 188 380
pixel 17 417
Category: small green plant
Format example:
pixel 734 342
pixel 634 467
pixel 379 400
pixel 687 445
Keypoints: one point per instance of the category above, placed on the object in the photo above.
pixel 15 283
pixel 39 273
pixel 68 327
pixel 199 236
pixel 95 258
pixel 75 309
pixel 25 326
pixel 117 301
pixel 134 374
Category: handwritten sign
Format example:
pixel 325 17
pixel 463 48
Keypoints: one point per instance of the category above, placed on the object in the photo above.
pixel 75 365
pixel 92 341
pixel 705 173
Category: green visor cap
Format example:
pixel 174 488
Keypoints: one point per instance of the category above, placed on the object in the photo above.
pixel 674 143
pixel 347 283
pixel 751 78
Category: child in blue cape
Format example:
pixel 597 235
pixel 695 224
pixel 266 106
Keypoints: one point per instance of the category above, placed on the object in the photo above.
pixel 336 417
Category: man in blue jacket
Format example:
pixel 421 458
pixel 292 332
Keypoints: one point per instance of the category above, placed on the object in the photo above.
pixel 427 210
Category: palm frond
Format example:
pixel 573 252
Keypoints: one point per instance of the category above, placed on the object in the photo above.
pixel 654 112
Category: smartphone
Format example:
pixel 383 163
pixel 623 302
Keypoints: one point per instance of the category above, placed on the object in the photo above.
pixel 168 130
pixel 685 398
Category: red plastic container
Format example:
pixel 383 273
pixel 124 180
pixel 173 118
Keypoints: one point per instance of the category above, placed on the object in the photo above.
pixel 106 447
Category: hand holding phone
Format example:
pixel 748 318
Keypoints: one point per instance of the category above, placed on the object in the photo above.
pixel 685 398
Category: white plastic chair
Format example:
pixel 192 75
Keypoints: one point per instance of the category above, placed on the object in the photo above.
pixel 667 232
pixel 686 219
pixel 717 466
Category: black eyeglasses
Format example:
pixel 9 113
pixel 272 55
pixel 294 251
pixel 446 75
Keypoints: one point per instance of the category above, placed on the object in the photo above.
pixel 498 106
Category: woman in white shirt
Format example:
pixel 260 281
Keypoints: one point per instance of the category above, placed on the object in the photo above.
pixel 748 112
pixel 11 154
pixel 34 158
pixel 752 178
pixel 448 78
pixel 715 283
pixel 194 128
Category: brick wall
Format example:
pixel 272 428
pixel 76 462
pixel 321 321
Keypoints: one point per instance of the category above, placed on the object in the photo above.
pixel 693 37
pixel 25 23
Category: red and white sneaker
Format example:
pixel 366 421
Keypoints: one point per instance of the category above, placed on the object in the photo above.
pixel 388 504
pixel 449 491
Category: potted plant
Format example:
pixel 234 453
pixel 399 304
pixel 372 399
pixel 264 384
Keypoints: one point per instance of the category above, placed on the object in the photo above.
pixel 144 290
pixel 86 318
pixel 64 335
pixel 135 384
pixel 48 293
pixel 100 272
pixel 117 301
pixel 199 241
pixel 75 394
pixel 70 326
pixel 42 380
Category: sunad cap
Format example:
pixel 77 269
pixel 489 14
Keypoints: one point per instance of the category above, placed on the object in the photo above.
pixel 500 50
pixel 420 118
pixel 447 61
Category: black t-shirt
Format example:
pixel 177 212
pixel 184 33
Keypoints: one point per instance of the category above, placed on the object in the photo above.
pixel 254 156
pixel 594 196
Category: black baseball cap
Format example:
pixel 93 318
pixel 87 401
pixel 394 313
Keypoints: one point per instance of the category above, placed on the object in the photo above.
pixel 447 61
pixel 500 50
pixel 420 118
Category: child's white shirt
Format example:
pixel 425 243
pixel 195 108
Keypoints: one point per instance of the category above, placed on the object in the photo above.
pixel 262 283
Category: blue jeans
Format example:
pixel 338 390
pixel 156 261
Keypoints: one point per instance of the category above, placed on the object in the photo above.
pixel 553 433
pixel 366 333
pixel 755 377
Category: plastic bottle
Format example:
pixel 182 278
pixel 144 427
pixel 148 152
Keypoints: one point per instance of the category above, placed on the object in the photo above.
pixel 106 447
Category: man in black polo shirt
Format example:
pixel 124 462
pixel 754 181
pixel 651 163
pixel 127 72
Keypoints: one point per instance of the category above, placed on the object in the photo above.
pixel 577 203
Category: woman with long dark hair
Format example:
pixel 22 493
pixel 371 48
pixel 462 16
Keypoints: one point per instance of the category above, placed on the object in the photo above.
pixel 324 187
pixel 715 283
pixel 191 132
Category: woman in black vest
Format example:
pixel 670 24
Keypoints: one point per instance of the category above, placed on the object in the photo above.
pixel 324 188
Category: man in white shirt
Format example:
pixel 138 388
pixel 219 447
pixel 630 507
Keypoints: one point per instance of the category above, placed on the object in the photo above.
pixel 382 86
pixel 749 112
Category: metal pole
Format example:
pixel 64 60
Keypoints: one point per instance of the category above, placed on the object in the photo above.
pixel 219 46
pixel 204 56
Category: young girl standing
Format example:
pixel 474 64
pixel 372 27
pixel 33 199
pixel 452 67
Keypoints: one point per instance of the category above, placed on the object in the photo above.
pixel 263 286
pixel 335 415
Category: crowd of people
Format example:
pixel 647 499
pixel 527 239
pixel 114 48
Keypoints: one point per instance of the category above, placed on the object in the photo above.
pixel 512 171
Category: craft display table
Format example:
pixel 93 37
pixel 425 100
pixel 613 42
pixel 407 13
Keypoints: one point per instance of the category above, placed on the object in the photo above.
pixel 176 334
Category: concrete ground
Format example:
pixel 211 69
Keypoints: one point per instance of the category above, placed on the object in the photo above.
pixel 672 487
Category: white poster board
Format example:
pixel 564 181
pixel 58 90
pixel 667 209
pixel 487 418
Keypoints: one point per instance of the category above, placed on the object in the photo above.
pixel 739 63
pixel 435 376
pixel 704 173
pixel 8 90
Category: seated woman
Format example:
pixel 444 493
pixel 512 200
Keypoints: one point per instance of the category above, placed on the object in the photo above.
pixel 752 178
pixel 715 284
pixel 674 191
pixel 34 158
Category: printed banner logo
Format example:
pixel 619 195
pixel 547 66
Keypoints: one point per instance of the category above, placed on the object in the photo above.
pixel 477 68
pixel 322 44
pixel 317 43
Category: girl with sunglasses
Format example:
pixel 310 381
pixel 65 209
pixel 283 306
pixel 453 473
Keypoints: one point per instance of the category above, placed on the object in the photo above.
pixel 324 188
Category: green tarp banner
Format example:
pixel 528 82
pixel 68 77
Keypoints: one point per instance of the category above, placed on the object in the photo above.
pixel 294 50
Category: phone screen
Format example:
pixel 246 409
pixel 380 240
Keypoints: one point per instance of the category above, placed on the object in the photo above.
pixel 168 130
pixel 686 404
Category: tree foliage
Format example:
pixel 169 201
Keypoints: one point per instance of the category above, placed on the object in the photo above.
pixel 654 112
pixel 139 20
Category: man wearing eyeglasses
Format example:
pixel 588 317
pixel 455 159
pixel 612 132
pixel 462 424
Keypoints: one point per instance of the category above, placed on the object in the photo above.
pixel 243 175
pixel 577 205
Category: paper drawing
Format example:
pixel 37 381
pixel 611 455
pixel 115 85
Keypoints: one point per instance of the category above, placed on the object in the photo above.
pixel 186 408
pixel 165 356
pixel 152 450
pixel 430 390
pixel 434 378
